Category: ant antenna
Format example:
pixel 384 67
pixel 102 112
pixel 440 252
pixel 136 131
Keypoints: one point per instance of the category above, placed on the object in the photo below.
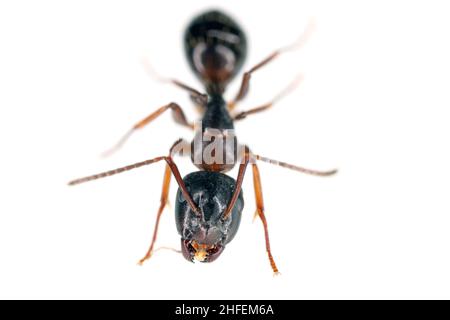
pixel 296 168
pixel 115 171
pixel 170 163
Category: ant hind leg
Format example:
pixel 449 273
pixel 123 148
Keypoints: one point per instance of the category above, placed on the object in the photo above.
pixel 245 83
pixel 243 114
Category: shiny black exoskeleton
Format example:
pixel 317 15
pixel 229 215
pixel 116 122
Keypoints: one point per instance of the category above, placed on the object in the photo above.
pixel 209 203
pixel 204 237
pixel 216 47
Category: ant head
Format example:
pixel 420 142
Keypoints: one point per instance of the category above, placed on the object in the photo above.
pixel 205 235
pixel 191 250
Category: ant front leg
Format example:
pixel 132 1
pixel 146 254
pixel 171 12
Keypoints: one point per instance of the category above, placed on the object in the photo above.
pixel 178 116
pixel 171 168
pixel 177 148
pixel 246 159
pixel 260 213
pixel 164 202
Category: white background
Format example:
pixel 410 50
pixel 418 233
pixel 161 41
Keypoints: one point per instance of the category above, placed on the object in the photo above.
pixel 374 103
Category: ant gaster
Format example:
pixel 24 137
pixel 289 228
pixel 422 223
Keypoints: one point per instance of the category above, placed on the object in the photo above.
pixel 209 203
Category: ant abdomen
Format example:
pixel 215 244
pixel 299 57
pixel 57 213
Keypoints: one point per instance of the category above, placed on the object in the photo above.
pixel 216 47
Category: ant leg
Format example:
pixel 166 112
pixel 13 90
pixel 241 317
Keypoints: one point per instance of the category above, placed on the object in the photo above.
pixel 177 148
pixel 243 90
pixel 199 98
pixel 260 212
pixel 164 201
pixel 282 94
pixel 178 116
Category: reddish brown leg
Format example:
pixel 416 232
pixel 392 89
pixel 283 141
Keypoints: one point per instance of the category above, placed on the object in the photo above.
pixel 259 200
pixel 178 116
pixel 199 98
pixel 287 90
pixel 243 90
pixel 164 200
pixel 260 212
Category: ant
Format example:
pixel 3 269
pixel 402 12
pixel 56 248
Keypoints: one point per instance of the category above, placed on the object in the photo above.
pixel 208 202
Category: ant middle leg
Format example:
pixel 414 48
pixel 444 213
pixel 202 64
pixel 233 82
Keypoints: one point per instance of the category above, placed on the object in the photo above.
pixel 178 116
pixel 243 114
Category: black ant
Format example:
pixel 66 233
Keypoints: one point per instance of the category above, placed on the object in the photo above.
pixel 209 203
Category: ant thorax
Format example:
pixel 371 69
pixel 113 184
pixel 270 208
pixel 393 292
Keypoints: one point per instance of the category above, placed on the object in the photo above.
pixel 211 149
pixel 214 149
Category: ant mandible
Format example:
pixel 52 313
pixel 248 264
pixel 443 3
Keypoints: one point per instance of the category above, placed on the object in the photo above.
pixel 209 203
